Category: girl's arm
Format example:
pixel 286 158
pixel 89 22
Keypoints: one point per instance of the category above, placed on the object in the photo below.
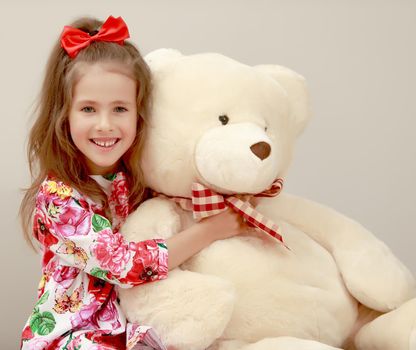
pixel 66 225
pixel 83 239
pixel 187 243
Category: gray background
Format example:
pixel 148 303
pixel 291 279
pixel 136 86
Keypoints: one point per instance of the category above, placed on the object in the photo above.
pixel 357 155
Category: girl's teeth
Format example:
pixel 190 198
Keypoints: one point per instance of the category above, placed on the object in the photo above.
pixel 105 143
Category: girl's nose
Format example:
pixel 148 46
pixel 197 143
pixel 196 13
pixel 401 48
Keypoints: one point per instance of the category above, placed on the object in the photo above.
pixel 104 122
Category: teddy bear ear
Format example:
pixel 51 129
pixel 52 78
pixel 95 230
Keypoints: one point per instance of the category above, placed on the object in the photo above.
pixel 161 57
pixel 295 86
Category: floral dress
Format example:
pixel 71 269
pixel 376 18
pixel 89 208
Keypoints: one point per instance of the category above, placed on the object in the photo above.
pixel 84 258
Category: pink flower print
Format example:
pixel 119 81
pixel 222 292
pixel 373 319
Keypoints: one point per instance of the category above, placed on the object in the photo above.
pixel 74 344
pixel 38 344
pixel 119 189
pixel 84 317
pixel 109 312
pixel 111 251
pixel 65 275
pixel 73 220
pixel 51 203
pixel 119 200
pixel 98 347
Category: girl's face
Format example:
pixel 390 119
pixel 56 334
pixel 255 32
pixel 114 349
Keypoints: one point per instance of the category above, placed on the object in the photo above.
pixel 103 116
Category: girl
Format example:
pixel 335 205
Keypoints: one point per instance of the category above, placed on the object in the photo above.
pixel 83 152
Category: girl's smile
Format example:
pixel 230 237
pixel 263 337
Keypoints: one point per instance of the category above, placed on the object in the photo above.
pixel 103 115
pixel 105 142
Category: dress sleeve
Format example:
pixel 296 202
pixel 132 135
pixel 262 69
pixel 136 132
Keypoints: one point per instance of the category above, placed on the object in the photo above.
pixel 69 228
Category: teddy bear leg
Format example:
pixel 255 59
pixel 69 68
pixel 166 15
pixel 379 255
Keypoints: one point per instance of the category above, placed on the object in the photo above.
pixel 280 343
pixel 228 345
pixel 395 330
pixel 188 310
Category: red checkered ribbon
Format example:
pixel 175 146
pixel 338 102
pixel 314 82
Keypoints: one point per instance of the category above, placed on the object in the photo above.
pixel 206 202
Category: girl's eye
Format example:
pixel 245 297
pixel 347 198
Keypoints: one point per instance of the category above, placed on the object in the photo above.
pixel 88 109
pixel 120 109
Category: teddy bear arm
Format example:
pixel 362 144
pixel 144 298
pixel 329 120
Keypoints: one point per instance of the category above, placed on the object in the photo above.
pixel 372 274
pixel 329 228
pixel 154 218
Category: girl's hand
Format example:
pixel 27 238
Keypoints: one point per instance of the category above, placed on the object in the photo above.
pixel 187 243
pixel 224 225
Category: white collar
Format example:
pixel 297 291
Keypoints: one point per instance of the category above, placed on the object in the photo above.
pixel 103 182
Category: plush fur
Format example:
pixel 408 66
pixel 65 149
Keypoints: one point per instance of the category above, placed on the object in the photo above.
pixel 250 292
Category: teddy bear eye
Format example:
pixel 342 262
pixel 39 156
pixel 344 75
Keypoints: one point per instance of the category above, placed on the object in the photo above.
pixel 265 128
pixel 223 119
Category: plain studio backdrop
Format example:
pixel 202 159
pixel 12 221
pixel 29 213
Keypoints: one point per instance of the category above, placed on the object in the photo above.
pixel 357 155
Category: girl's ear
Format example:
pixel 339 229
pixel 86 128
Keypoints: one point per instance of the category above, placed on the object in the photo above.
pixel 295 86
pixel 160 58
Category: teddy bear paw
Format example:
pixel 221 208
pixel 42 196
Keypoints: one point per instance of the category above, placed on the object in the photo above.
pixel 280 343
pixel 393 330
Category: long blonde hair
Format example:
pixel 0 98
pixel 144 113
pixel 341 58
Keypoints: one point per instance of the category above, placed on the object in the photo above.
pixel 50 146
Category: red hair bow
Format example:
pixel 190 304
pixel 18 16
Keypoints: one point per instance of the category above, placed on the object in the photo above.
pixel 113 30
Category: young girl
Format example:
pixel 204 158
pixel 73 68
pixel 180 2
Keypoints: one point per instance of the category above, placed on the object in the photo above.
pixel 84 151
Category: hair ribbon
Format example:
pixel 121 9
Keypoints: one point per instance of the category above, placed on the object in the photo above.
pixel 113 30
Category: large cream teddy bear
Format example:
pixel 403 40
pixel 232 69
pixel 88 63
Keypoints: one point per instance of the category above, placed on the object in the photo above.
pixel 232 128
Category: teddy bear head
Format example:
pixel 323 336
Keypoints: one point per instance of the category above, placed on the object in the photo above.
pixel 221 123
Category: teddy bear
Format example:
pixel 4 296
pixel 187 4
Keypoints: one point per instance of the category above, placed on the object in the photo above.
pixel 301 276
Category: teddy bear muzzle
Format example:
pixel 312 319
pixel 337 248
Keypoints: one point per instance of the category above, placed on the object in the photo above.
pixel 238 157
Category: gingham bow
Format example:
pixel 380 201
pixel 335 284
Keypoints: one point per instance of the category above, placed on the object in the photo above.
pixel 206 202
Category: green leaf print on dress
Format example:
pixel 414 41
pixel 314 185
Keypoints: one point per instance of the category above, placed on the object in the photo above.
pixel 43 299
pixel 100 273
pixel 100 223
pixel 110 177
pixel 42 323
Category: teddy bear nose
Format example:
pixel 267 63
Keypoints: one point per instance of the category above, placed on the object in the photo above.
pixel 261 149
